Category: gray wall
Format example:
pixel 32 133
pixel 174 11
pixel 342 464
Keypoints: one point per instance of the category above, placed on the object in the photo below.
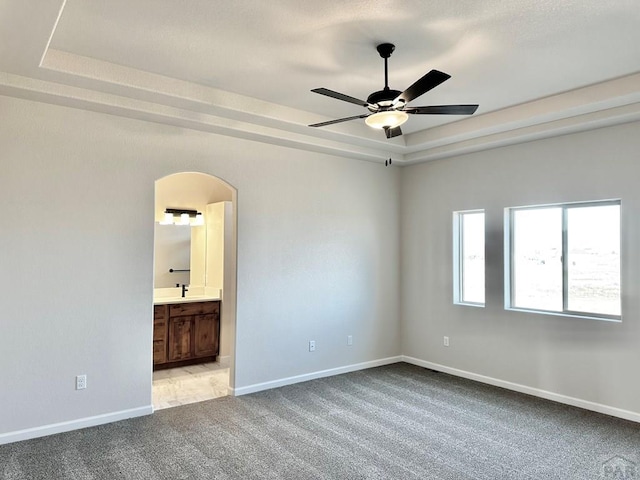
pixel 318 256
pixel 591 360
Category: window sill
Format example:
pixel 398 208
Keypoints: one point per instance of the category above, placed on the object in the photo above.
pixel 566 315
pixel 469 304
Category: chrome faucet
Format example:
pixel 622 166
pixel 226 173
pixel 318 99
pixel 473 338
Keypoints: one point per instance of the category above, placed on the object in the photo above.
pixel 184 290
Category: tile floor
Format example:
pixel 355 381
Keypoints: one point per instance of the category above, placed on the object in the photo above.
pixel 195 383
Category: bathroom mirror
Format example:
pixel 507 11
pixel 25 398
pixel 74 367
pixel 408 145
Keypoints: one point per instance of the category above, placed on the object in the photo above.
pixel 172 252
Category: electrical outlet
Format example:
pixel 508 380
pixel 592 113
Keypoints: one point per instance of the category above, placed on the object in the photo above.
pixel 349 340
pixel 81 382
pixel 312 345
pixel 446 341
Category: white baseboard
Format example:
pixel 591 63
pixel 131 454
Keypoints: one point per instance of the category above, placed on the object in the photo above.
pixel 51 429
pixel 61 427
pixel 257 387
pixel 536 392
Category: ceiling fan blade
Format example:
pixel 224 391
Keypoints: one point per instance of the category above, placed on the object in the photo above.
pixel 339 120
pixel 392 132
pixel 443 110
pixel 340 96
pixel 426 83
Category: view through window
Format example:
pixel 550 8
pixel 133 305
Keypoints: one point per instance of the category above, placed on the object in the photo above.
pixel 566 258
pixel 469 257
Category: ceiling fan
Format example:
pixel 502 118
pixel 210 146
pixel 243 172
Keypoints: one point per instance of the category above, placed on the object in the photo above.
pixel 388 108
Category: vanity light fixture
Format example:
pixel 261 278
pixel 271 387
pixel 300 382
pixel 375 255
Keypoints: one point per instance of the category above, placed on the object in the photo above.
pixel 181 216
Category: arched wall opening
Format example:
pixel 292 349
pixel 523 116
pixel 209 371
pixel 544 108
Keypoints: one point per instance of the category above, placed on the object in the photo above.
pixel 211 260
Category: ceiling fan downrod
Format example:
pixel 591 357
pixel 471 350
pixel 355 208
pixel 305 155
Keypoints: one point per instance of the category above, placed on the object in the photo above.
pixel 385 50
pixel 382 100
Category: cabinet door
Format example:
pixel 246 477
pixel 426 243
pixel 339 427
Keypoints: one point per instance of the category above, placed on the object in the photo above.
pixel 180 338
pixel 206 335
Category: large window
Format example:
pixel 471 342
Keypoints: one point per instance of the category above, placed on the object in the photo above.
pixel 468 261
pixel 564 258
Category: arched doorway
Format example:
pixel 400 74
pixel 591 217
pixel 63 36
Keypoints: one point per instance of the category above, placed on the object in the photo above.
pixel 201 256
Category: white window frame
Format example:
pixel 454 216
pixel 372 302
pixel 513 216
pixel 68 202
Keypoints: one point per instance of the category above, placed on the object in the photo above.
pixel 458 262
pixel 509 263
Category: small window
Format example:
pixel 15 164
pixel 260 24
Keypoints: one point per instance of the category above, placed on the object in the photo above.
pixel 565 259
pixel 468 257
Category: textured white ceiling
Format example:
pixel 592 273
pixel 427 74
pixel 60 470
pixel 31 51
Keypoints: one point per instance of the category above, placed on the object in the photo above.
pixel 500 53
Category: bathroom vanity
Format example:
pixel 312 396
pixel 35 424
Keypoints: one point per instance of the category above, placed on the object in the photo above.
pixel 185 332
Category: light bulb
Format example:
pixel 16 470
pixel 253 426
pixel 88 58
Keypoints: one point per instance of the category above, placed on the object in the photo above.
pixel 198 220
pixel 168 219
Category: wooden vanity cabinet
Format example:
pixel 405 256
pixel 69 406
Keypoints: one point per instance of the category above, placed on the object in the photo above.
pixel 191 333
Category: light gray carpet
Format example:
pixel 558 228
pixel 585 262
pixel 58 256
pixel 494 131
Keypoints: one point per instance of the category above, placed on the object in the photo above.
pixel 393 422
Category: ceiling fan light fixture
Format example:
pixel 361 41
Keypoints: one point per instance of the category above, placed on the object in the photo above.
pixel 387 119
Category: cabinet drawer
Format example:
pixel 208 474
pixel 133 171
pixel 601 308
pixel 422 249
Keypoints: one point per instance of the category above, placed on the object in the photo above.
pixel 159 312
pixel 159 352
pixel 159 329
pixel 196 308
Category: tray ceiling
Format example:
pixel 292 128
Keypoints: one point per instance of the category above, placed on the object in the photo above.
pixel 246 68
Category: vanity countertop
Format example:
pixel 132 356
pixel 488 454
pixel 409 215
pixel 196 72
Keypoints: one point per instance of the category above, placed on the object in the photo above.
pixel 187 299
pixel 165 296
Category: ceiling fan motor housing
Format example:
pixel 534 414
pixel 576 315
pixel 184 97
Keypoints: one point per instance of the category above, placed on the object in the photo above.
pixel 383 99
